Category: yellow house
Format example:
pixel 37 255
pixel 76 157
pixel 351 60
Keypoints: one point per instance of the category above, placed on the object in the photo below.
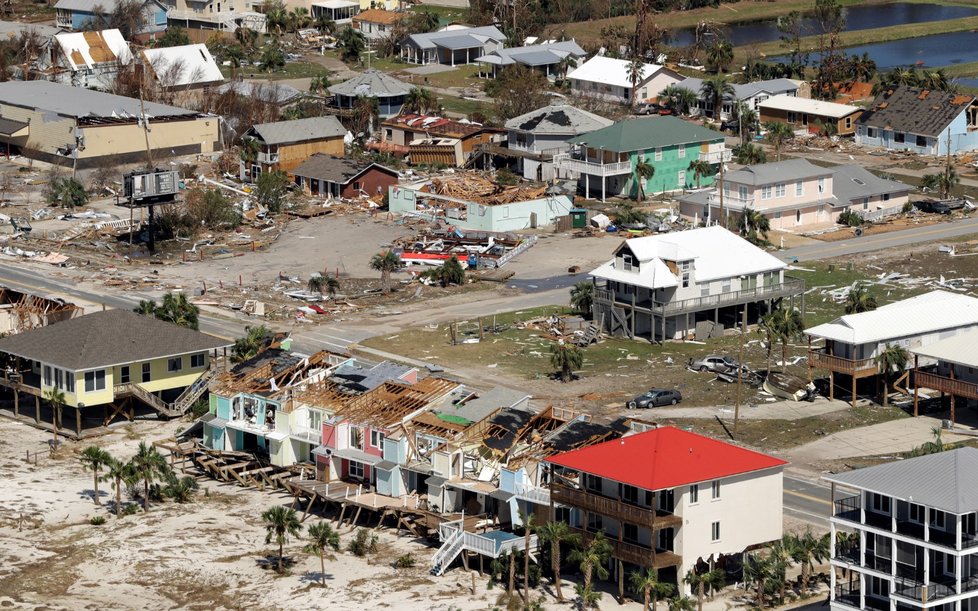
pixel 117 360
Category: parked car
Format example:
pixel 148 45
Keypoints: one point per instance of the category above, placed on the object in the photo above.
pixel 714 363
pixel 940 206
pixel 655 397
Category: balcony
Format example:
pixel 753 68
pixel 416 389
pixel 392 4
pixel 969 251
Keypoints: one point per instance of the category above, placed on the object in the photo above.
pixel 565 161
pixel 882 564
pixel 532 494
pixel 268 157
pixel 848 556
pixel 637 554
pixel 731 201
pixel 790 286
pixel 860 367
pixel 915 590
pixel 848 509
pixel 306 434
pixel 958 388
pixel 848 595
pixel 716 156
pixel 879 520
pixel 613 508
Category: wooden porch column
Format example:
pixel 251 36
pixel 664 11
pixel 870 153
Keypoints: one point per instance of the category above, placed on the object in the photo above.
pixel 16 403
pixel 853 389
pixel 915 393
pixel 37 409
pixel 952 394
pixel 78 410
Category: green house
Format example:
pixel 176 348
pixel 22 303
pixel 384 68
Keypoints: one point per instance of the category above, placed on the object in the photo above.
pixel 604 161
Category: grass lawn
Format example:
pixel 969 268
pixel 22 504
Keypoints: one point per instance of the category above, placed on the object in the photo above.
pixel 462 76
pixel 462 106
pixel 292 70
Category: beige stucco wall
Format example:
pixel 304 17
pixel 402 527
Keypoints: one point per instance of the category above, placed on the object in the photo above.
pixel 128 138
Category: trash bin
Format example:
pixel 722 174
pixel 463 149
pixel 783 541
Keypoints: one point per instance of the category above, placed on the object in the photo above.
pixel 578 218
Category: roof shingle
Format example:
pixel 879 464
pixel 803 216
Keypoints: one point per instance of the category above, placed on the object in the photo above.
pixel 915 111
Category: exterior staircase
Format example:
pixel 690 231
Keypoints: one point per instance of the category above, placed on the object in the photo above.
pixel 182 403
pixel 450 548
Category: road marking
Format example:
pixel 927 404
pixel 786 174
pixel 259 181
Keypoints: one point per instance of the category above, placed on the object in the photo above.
pixel 808 497
pixel 820 518
pixel 820 252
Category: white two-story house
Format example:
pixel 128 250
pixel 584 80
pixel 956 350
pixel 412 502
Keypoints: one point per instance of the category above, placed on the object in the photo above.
pixel 913 535
pixel 668 499
pixel 674 285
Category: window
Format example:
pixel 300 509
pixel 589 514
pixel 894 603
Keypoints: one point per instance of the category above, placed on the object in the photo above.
pixel 792 117
pixel 147 372
pixel 69 381
pixel 921 141
pixel 879 587
pixel 694 494
pixel 629 494
pixel 197 360
pixel 356 438
pixel 916 513
pixel 356 470
pixel 376 439
pixel 47 375
pixel 685 267
pixel 94 380
pixel 742 192
pixel 726 189
pixel 821 184
pixel 937 518
pixel 630 532
pixel 592 482
pixel 865 203
pixel 594 522
pixel 658 154
pixel 881 503
pixel 715 531
pixel 715 490
pixel 766 192
pixel 848 122
pixel 626 262
pixel 59 378
pixel 799 188
pixel 682 151
pixel 174 364
pixel 779 190
pixel 681 178
pixel 872 132
pixel 899 137
pixel 124 374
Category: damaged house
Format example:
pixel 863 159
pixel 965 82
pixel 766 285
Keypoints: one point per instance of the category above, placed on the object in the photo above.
pixel 920 121
pixel 89 59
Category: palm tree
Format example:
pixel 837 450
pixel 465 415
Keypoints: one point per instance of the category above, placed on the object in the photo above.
pixel 754 226
pixel 680 99
pixel 591 557
pixel 937 445
pixel 246 37
pixel 176 308
pixel 146 307
pixel 777 134
pixel 352 44
pixel 449 272
pixel 749 154
pixel 627 214
pixel 651 588
pixel 529 526
pixel 757 570
pixel 935 80
pixel 322 536
pixel 426 21
pixel 249 153
pixel 118 472
pixel 786 324
pixel 699 168
pixel 385 263
pixel 712 580
pixel 564 65
pixel 636 67
pixel 299 19
pixel 806 550
pixel 148 465
pixel 644 171
pixel 364 114
pixel 766 326
pixel 746 121
pixel 863 68
pixel 681 603
pixel 555 533
pixel 95 459
pixel 715 89
pixel 779 560
pixel 860 299
pixel 942 182
pixel 420 100
pixel 251 344
pixel 56 398
pixel 323 284
pixel 319 84
pixel 277 20
pixel 582 297
pixel 893 358
pixel 280 523
pixel 719 56
pixel 565 358
pixel 324 24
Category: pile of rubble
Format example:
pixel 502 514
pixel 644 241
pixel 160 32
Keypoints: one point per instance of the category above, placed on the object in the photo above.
pixel 476 187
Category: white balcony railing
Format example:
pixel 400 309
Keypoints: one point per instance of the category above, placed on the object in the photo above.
pixel 731 201
pixel 716 156
pixel 303 433
pixel 533 494
pixel 268 157
pixel 564 161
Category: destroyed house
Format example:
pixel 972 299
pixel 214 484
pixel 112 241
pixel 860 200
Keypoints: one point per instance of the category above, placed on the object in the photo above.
pixel 668 500
pixel 812 116
pixel 435 140
pixel 74 126
pixel 326 176
pixel 535 137
pixel 109 363
pixel 920 121
pixel 20 311
pixel 88 59
pixel 181 67
pixel 693 282
pixel 283 145
pixel 851 343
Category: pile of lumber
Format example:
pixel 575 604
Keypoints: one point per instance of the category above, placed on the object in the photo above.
pixel 475 187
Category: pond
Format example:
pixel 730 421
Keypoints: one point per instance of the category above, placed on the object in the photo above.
pixel 857 18
pixel 926 51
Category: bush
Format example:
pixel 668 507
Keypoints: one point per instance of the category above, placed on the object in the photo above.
pixel 907 208
pixel 365 542
pixel 850 218
pixel 130 509
pixel 201 407
pixel 404 562
pixel 97 520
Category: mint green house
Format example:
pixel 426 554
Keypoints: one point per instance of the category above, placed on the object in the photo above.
pixel 604 161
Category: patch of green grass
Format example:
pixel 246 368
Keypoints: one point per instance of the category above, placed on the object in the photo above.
pixel 821 308
pixel 463 106
pixel 292 70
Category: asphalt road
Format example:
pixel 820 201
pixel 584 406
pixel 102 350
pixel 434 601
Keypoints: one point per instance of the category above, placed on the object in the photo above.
pixel 808 501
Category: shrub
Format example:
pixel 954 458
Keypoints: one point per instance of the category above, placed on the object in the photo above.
pixel 404 562
pixel 850 218
pixel 130 509
pixel 365 542
pixel 97 520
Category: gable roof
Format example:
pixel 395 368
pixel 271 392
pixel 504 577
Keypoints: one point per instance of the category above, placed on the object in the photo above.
pixel 933 311
pixel 456 37
pixel 915 111
pixel 376 15
pixel 716 252
pixel 665 458
pixel 646 133
pixel 105 339
pixel 611 71
pixel 89 6
pixel 534 55
pixel 12 29
pixel 958 349
pixel 340 170
pixel 82 50
pixel 821 108
pixel 299 130
pixel 946 480
pixel 274 91
pixel 80 102
pixel 767 173
pixel 183 65
pixel 743 91
pixel 558 119
pixel 851 182
pixel 372 83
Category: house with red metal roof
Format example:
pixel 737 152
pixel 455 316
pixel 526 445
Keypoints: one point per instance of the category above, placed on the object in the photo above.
pixel 670 500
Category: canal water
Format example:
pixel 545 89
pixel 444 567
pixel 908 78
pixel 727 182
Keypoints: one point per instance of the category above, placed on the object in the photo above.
pixel 931 51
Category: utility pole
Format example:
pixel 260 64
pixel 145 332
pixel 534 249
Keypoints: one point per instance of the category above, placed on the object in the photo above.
pixel 149 170
pixel 720 186
pixel 740 372
pixel 947 168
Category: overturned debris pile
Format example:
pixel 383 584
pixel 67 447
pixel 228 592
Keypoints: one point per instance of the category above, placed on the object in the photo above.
pixel 474 186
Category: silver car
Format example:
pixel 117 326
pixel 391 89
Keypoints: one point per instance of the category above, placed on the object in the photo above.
pixel 715 364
